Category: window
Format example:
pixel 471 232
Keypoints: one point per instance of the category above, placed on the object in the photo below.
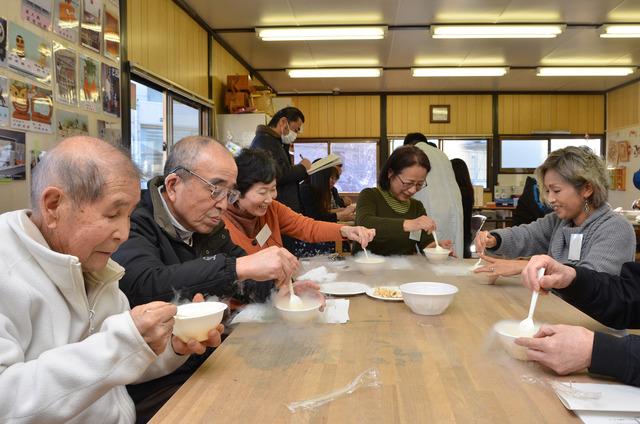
pixel 523 154
pixel 594 144
pixel 159 118
pixel 359 160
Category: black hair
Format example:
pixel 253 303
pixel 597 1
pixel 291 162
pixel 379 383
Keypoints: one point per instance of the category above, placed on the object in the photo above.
pixel 461 171
pixel 254 166
pixel 401 158
pixel 319 183
pixel 291 113
pixel 415 138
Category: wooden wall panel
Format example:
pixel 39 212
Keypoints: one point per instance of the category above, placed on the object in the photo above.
pixel 340 116
pixel 623 107
pixel 470 114
pixel 528 113
pixel 223 64
pixel 163 39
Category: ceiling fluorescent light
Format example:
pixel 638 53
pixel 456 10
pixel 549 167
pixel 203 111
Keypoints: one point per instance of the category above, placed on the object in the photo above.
pixel 496 31
pixel 620 31
pixel 335 73
pixel 587 71
pixel 322 33
pixel 460 72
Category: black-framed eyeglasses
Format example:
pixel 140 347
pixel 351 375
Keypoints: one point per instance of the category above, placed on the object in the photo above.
pixel 217 193
pixel 407 185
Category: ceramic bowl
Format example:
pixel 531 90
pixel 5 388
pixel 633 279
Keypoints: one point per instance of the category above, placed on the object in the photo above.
pixel 428 298
pixel 507 332
pixel 194 320
pixel 371 265
pixel 310 311
pixel 435 255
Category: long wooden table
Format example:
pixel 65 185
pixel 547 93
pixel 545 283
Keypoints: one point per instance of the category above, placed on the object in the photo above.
pixel 434 369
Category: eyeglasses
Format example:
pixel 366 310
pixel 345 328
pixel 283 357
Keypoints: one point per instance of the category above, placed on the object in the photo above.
pixel 407 185
pixel 217 193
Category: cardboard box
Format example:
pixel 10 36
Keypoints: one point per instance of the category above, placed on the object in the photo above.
pixel 262 101
pixel 238 83
pixel 235 100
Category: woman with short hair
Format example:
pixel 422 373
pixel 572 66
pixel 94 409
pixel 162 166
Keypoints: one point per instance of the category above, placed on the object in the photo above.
pixel 581 230
pixel 256 220
pixel 391 210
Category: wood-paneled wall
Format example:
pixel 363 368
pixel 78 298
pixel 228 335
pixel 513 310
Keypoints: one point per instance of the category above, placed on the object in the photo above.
pixel 162 38
pixel 223 64
pixel 623 107
pixel 528 113
pixel 339 116
pixel 470 114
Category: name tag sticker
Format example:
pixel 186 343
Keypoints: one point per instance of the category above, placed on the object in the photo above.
pixel 575 246
pixel 415 235
pixel 263 235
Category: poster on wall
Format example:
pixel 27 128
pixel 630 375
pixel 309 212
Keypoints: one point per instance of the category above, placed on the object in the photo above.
pixel 3 42
pixel 66 19
pixel 41 101
pixel 69 124
pixel 91 24
pixel 88 81
pixel 29 54
pixel 111 90
pixel 110 132
pixel 19 105
pixel 4 101
pixel 37 12
pixel 12 155
pixel 111 34
pixel 64 64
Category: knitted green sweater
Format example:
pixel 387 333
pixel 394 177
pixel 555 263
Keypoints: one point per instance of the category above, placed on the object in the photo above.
pixel 372 211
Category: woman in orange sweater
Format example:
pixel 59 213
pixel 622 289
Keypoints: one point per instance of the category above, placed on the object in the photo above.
pixel 257 220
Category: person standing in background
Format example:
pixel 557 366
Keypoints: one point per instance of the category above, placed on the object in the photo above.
pixel 442 204
pixel 466 192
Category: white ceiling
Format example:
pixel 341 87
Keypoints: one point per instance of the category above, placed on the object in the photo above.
pixel 234 20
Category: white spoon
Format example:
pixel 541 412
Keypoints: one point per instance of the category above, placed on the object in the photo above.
pixel 435 237
pixel 526 326
pixel 366 254
pixel 294 300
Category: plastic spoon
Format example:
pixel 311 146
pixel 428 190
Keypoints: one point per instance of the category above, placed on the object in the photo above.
pixel 366 254
pixel 294 300
pixel 527 326
pixel 435 238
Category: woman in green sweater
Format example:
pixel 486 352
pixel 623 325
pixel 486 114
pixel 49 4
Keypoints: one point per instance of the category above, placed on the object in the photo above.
pixel 390 209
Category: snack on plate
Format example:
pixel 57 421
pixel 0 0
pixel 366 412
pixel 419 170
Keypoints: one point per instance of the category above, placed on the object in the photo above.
pixel 387 292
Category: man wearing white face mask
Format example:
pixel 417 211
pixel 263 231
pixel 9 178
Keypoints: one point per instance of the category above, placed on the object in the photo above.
pixel 276 138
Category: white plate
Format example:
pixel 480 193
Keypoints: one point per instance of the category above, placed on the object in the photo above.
pixel 343 289
pixel 370 293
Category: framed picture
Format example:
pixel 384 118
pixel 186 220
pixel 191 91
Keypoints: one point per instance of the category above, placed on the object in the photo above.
pixel 439 114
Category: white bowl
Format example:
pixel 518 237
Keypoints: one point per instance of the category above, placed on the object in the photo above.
pixel 631 215
pixel 310 310
pixel 194 320
pixel 426 298
pixel 435 255
pixel 508 332
pixel 371 265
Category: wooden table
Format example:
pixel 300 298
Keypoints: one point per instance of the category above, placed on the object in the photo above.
pixel 433 369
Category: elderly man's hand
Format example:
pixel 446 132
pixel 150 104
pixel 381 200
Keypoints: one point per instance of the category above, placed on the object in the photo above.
pixel 272 263
pixel 556 275
pixel 563 348
pixel 304 288
pixel 154 321
pixel 360 234
pixel 194 346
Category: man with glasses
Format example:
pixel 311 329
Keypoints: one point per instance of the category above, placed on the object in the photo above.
pixel 178 245
pixel 441 199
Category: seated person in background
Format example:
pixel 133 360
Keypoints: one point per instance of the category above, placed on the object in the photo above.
pixel 581 230
pixel 391 210
pixel 256 209
pixel 317 197
pixel 441 203
pixel 530 207
pixel 338 201
pixel 613 300
pixel 68 341
pixel 466 191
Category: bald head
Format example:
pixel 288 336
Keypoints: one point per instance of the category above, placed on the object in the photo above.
pixel 80 166
pixel 187 152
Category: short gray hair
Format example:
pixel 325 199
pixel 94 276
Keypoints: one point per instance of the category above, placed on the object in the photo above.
pixel 82 172
pixel 186 152
pixel 578 166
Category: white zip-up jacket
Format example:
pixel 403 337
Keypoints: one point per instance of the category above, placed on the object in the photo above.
pixel 68 344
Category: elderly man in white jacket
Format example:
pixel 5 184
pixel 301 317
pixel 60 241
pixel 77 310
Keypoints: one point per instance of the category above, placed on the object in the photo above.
pixel 68 341
pixel 441 197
